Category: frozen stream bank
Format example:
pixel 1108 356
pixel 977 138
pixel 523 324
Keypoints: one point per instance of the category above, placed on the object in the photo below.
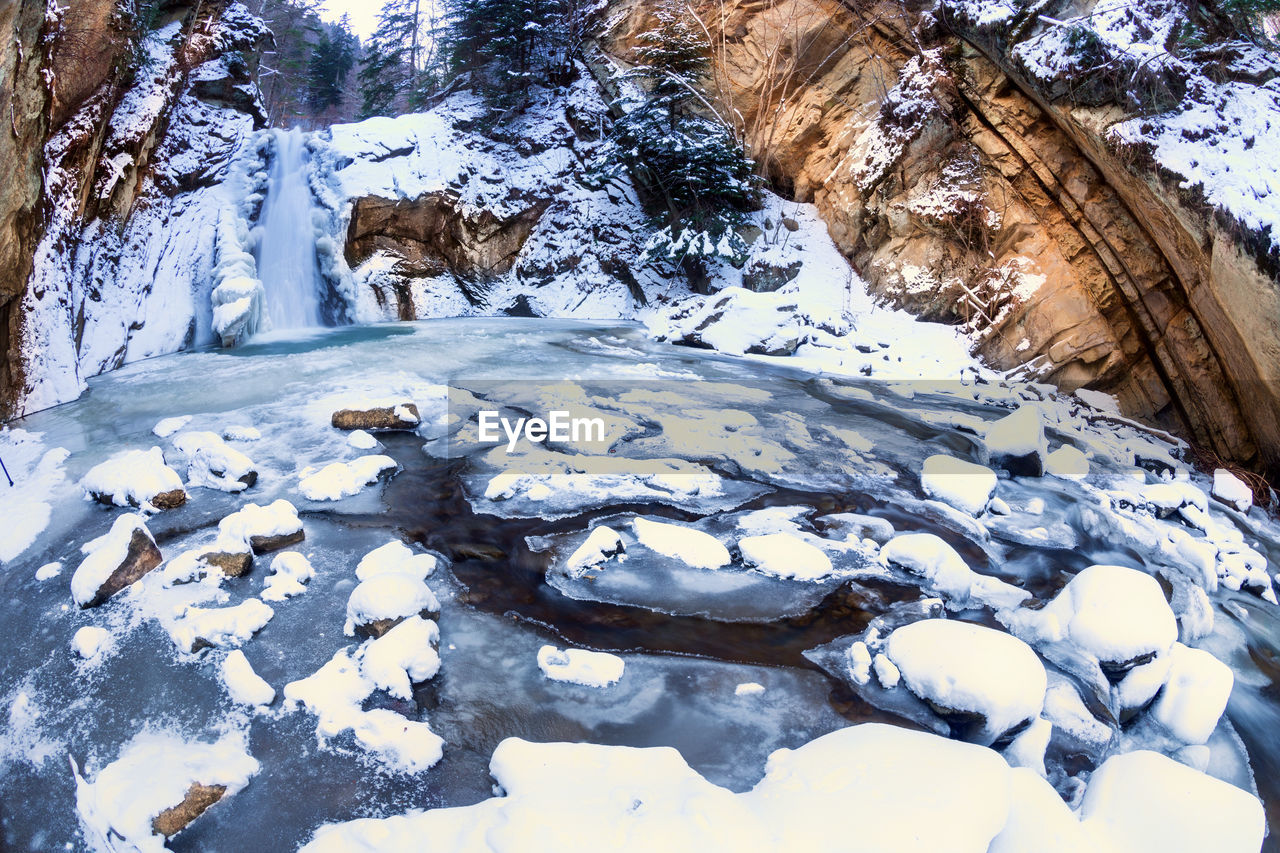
pixel 792 544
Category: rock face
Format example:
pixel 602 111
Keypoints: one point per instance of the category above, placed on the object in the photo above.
pixel 432 235
pixel 85 250
pixel 959 191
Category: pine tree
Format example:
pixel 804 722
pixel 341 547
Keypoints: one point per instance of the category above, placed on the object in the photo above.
pixel 507 46
pixel 690 164
pixel 331 61
pixel 399 61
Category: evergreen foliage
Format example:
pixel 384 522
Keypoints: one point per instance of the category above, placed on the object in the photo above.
pixel 690 164
pixel 331 61
pixel 400 69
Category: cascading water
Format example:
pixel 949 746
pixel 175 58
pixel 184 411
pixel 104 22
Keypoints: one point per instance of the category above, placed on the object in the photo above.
pixel 286 252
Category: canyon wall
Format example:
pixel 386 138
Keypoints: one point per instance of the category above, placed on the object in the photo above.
pixel 959 189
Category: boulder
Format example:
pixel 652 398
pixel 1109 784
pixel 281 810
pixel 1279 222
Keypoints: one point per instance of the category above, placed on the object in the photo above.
pixel 403 416
pixel 115 561
pixel 199 797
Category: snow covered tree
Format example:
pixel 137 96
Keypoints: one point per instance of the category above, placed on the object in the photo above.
pixel 331 61
pixel 688 162
pixel 399 68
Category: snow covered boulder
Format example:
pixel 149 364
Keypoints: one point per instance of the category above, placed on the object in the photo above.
pixel 963 485
pixel 264 528
pixel 400 416
pixel 785 555
pixel 1232 491
pixel 945 571
pixel 343 479
pixel 1068 463
pixel 1017 443
pixel 984 682
pixel 601 545
pixel 115 560
pixel 402 657
pixel 1112 625
pixel 1143 802
pixel 384 601
pixel 579 666
pixel 243 684
pixel 395 557
pixel 290 573
pixel 220 627
pixel 228 555
pixel 135 478
pixel 210 462
pixel 1195 694
pixel 693 547
pixel 159 785
pixel 90 641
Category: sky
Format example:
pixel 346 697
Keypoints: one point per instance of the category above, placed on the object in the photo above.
pixel 362 13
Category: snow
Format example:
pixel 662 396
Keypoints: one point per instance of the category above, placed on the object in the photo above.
pixel 290 573
pixel 1231 490
pixel 964 485
pixel 223 627
pixel 859 662
pixel 1068 463
pixel 697 549
pixel 131 478
pixel 152 774
pixel 37 473
pixel 748 688
pixel 168 426
pixel 602 544
pixel 579 666
pixel 361 440
pixel 1194 695
pixel 334 694
pixel 105 554
pixel 887 672
pixel 48 571
pixel 1143 802
pixel 243 684
pixel 279 518
pixel 785 555
pixel 90 641
pixel 391 595
pixel 945 571
pixel 967 667
pixel 398 557
pixel 343 479
pixel 211 463
pixel 404 656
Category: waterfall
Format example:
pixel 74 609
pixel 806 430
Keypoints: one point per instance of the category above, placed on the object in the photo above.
pixel 286 238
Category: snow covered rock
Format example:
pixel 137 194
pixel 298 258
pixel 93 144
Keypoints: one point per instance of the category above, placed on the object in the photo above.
pixel 264 528
pixel 343 479
pixel 1232 491
pixel 963 485
pixel 784 555
pixel 946 572
pixel 243 684
pixel 115 560
pixel 966 670
pixel 579 666
pixel 395 557
pixel 402 657
pixel 168 426
pixel 1143 802
pixel 135 478
pixel 1195 694
pixel 601 545
pixel 362 440
pixel 1068 463
pixel 290 573
pixel 210 462
pixel 48 571
pixel 89 641
pixel 227 554
pixel 399 416
pixel 1017 443
pixel 1119 625
pixel 220 627
pixel 334 694
pixel 384 600
pixel 696 549
pixel 158 785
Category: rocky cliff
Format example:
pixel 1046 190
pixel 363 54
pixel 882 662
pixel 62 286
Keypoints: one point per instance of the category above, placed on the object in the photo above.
pixel 117 126
pixel 972 174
